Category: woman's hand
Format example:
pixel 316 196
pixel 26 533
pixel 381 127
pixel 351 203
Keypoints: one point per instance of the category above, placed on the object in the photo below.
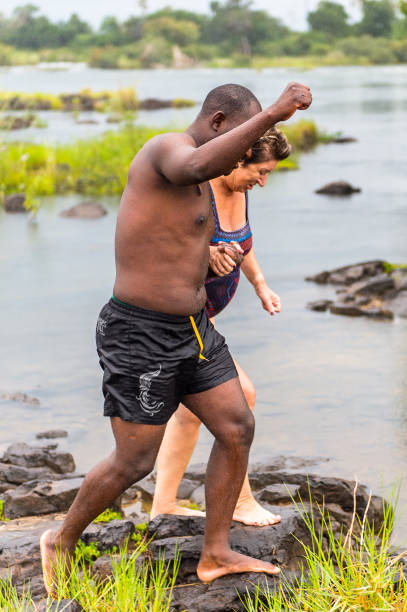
pixel 224 257
pixel 270 300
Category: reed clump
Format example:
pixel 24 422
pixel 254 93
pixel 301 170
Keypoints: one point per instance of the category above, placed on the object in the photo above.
pixel 358 572
pixel 135 584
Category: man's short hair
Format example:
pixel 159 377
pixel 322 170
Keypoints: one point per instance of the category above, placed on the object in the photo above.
pixel 231 99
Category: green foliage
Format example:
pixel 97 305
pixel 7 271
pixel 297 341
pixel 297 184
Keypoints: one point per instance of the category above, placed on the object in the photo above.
pixel 107 516
pixel 86 553
pixel 172 30
pixel 378 18
pixel 355 572
pixel 391 267
pixel 234 34
pixel 374 50
pixel 329 18
pixel 2 517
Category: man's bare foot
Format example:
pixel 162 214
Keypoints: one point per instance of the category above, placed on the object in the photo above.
pixel 51 559
pixel 176 509
pixel 232 563
pixel 251 513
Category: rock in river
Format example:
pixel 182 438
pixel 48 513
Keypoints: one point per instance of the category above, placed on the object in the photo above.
pixel 373 289
pixel 339 188
pixel 85 210
pixel 15 203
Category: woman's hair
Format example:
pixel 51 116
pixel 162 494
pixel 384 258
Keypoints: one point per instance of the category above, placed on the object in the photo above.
pixel 272 145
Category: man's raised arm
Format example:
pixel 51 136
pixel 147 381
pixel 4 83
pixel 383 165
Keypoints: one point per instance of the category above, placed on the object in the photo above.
pixel 184 163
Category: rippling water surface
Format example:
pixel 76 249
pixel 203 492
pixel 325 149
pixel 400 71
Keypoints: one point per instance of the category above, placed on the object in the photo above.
pixel 326 385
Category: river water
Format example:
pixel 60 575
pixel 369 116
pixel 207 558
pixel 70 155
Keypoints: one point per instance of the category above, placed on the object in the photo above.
pixel 326 385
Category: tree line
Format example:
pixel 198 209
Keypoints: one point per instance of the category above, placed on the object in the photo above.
pixel 232 28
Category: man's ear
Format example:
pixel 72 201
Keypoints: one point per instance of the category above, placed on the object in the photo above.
pixel 249 153
pixel 217 120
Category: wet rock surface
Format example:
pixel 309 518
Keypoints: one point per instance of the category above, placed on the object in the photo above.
pixel 372 289
pixel 85 210
pixel 338 188
pixel 276 484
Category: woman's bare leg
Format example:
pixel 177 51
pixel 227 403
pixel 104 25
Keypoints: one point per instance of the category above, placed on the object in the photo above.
pixel 176 449
pixel 248 510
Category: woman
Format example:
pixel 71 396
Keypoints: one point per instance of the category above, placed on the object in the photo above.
pixel 230 209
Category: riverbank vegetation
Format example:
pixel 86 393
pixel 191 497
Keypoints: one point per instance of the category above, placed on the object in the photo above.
pixel 133 586
pixel 118 101
pixel 233 34
pixel 99 166
pixel 360 571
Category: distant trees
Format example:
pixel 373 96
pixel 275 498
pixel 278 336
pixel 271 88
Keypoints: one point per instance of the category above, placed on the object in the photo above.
pixel 378 18
pixel 232 31
pixel 27 29
pixel 329 18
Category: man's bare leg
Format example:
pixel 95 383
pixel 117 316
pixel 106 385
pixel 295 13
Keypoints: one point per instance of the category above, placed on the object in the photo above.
pixel 133 458
pixel 176 449
pixel 226 414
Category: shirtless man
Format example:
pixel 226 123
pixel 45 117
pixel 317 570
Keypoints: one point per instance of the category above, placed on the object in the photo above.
pixel 155 343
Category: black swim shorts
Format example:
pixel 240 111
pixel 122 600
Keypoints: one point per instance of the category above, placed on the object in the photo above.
pixel 151 360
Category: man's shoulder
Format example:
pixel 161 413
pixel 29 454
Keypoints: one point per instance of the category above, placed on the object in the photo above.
pixel 169 139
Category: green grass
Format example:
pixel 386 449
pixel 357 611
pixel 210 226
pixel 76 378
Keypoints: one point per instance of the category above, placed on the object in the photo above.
pixel 391 267
pixel 134 586
pixel 356 572
pixel 107 516
pixel 98 166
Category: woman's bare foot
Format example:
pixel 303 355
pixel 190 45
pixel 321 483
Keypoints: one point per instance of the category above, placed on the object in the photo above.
pixel 232 563
pixel 176 509
pixel 251 513
pixel 51 558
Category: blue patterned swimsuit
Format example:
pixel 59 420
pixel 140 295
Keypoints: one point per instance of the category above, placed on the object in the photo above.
pixel 221 289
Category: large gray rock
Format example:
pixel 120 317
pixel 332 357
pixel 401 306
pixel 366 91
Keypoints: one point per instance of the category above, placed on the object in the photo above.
pixel 25 455
pixel 40 497
pixel 16 474
pixel 108 535
pixel 85 210
pixel 278 544
pixel 347 275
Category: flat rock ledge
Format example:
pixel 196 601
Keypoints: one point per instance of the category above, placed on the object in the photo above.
pixel 279 484
pixel 368 289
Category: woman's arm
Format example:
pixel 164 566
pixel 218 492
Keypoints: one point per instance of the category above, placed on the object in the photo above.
pixel 251 269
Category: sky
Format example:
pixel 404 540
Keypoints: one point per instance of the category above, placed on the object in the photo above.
pixel 291 12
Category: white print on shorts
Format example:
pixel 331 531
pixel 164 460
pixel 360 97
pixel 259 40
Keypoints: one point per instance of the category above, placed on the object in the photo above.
pixel 147 405
pixel 100 326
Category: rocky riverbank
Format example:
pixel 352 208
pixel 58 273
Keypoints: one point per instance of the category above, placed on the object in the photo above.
pixel 38 483
pixel 375 289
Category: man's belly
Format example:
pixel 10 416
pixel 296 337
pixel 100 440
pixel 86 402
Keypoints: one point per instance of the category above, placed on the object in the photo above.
pixel 168 295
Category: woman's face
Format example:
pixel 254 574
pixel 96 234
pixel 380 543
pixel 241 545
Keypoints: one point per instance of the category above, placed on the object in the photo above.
pixel 246 177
